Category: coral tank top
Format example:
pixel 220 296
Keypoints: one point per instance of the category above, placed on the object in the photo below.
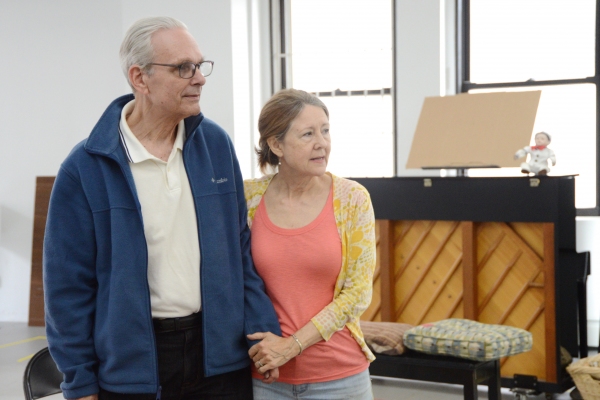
pixel 300 267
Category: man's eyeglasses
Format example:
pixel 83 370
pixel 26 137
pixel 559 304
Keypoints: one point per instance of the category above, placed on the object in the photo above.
pixel 188 69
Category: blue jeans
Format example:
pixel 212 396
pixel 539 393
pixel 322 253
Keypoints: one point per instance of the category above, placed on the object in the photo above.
pixel 181 372
pixel 355 387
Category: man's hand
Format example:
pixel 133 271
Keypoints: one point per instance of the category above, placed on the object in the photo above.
pixel 271 376
pixel 92 397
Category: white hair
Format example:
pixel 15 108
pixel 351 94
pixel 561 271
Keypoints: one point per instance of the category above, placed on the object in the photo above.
pixel 136 48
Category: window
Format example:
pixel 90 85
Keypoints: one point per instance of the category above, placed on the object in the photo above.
pixel 342 51
pixel 510 45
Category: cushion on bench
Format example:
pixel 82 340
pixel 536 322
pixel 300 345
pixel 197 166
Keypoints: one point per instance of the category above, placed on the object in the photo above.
pixel 468 339
pixel 385 337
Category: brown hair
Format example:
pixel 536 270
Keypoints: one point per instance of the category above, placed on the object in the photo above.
pixel 276 118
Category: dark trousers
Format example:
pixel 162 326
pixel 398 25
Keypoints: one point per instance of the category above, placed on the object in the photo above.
pixel 181 369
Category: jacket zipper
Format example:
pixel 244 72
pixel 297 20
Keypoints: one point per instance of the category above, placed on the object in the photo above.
pixel 154 350
pixel 202 303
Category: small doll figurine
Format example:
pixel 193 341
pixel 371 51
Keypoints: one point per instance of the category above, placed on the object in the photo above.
pixel 540 154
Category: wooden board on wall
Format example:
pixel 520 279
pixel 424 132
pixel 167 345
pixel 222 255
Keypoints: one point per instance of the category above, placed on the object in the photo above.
pixel 36 296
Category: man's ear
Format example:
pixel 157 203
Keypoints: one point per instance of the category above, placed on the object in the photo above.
pixel 275 146
pixel 138 79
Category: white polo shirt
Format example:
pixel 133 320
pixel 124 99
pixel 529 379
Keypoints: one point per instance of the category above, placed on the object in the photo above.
pixel 169 224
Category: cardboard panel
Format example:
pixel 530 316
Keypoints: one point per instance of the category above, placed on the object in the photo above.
pixel 473 130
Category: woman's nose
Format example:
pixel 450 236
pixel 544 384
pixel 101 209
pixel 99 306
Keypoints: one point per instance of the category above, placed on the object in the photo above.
pixel 319 140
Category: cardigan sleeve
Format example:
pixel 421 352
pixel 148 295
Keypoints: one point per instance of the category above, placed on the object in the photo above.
pixel 354 287
pixel 254 189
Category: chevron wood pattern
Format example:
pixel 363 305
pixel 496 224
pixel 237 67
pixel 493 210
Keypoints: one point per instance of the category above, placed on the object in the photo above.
pixel 492 272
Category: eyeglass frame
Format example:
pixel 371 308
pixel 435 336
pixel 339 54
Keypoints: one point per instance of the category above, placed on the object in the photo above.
pixel 196 65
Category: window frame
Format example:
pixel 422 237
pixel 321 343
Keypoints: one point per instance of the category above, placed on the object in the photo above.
pixel 281 65
pixel 463 83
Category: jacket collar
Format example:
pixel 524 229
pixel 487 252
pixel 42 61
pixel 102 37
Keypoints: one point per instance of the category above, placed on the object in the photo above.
pixel 105 140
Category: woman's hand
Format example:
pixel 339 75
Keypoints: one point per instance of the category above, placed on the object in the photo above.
pixel 272 351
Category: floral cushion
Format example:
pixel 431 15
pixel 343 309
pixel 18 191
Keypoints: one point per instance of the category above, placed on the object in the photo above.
pixel 385 337
pixel 468 339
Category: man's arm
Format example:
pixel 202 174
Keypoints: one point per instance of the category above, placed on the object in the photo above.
pixel 70 286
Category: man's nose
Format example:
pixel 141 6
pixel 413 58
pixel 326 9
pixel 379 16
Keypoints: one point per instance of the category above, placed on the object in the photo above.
pixel 198 78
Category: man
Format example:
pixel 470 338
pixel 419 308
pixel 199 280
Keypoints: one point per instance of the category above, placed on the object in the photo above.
pixel 149 283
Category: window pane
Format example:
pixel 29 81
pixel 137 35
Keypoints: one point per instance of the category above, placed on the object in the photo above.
pixel 341 44
pixel 361 135
pixel 516 40
pixel 568 114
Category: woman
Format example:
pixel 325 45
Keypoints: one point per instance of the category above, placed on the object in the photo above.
pixel 313 243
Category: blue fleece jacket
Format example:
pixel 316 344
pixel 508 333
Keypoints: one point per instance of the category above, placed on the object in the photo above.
pixel 98 314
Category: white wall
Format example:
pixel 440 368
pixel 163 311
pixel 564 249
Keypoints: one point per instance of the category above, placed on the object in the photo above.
pixel 60 69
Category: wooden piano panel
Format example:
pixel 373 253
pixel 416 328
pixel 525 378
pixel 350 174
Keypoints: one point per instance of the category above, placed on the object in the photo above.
pixel 427 271
pixel 511 287
pixel 426 266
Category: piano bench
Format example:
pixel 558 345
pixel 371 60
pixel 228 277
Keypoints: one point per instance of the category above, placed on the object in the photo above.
pixel 442 369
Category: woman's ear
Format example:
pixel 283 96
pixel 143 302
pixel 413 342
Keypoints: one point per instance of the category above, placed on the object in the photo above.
pixel 275 146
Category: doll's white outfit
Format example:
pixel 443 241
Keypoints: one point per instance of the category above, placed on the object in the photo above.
pixel 539 158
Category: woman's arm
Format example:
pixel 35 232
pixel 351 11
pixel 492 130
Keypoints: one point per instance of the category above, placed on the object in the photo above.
pixel 273 351
pixel 356 287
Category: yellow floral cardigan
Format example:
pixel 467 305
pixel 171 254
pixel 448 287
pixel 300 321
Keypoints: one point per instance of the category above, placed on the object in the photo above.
pixel 355 222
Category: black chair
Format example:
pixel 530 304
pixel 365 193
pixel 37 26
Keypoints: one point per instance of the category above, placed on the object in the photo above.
pixel 42 377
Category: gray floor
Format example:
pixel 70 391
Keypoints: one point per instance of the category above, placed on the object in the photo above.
pixel 18 343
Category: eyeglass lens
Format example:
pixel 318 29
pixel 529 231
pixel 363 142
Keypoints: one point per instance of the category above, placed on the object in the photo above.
pixel 187 70
pixel 206 68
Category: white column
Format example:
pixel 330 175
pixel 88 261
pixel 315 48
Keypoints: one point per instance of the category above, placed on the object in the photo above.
pixel 420 68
